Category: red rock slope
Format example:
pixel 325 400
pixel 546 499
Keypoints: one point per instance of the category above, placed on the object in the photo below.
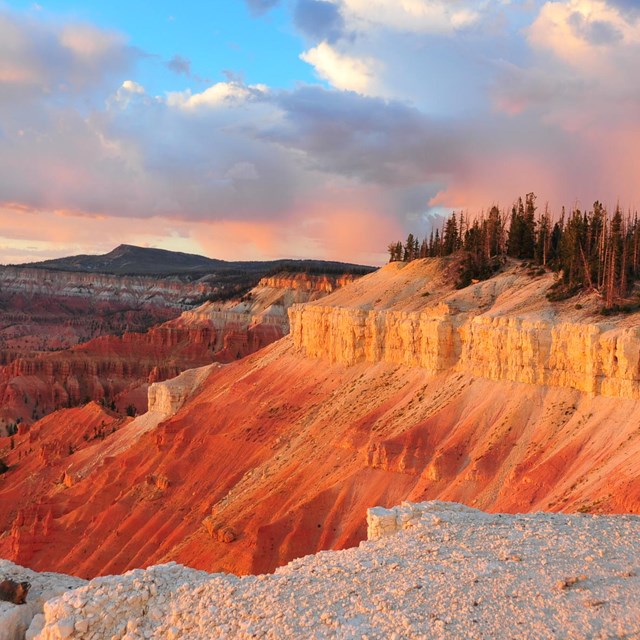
pixel 280 454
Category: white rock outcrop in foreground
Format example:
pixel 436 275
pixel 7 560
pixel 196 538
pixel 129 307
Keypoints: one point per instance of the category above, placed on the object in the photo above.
pixel 451 572
pixel 15 619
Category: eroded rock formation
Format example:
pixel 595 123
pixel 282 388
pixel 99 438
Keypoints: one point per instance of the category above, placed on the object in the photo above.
pixel 595 357
pixel 288 447
pixel 501 329
pixel 117 370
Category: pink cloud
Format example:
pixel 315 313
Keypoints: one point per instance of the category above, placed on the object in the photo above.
pixel 89 159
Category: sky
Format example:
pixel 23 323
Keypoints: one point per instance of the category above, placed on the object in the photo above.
pixel 259 129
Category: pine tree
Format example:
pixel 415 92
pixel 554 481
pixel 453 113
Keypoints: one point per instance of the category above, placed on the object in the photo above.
pixel 450 240
pixel 409 249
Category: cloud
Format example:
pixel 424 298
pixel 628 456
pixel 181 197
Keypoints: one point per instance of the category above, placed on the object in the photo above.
pixel 242 171
pixel 585 34
pixel 368 139
pixel 45 59
pixel 426 16
pixel 596 32
pixel 180 65
pixel 630 7
pixel 340 70
pixel 425 111
pixel 219 94
pixel 260 7
pixel 319 19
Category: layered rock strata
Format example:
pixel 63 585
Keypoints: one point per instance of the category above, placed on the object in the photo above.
pixel 118 369
pixel 278 455
pixel 137 290
pixel 595 357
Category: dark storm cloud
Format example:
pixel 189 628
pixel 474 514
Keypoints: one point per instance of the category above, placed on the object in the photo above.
pixel 259 7
pixel 318 19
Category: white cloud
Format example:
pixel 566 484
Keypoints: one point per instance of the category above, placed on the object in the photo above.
pixel 219 94
pixel 427 16
pixel 587 34
pixel 130 86
pixel 340 70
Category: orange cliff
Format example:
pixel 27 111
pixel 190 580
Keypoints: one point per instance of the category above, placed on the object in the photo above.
pixel 119 369
pixel 246 466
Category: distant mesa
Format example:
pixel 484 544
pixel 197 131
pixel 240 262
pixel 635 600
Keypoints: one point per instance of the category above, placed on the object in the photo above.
pixel 127 259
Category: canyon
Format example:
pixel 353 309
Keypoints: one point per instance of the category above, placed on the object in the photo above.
pixel 394 387
pixel 117 369
pixel 50 310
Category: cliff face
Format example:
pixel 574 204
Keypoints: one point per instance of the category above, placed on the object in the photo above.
pixel 500 329
pixel 596 358
pixel 170 292
pixel 43 310
pixel 165 398
pixel 312 284
pixel 351 336
pixel 406 396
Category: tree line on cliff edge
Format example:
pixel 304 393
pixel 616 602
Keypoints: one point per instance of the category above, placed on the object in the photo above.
pixel 591 250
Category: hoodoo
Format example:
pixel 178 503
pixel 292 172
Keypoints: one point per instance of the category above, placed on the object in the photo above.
pixel 116 370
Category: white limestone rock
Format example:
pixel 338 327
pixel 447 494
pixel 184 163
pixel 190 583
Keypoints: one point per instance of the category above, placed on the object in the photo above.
pixel 449 572
pixel 16 619
pixel 165 398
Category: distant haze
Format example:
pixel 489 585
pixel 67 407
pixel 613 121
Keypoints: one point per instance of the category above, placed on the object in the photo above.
pixel 310 128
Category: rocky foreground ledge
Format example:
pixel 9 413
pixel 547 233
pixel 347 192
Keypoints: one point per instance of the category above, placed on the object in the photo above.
pixel 433 570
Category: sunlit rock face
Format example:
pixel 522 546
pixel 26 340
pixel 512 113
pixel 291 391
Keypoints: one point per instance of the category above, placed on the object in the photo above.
pixel 521 345
pixel 350 336
pixel 167 397
pixel 280 454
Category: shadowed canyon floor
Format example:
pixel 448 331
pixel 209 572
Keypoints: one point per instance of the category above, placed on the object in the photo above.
pixel 381 394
